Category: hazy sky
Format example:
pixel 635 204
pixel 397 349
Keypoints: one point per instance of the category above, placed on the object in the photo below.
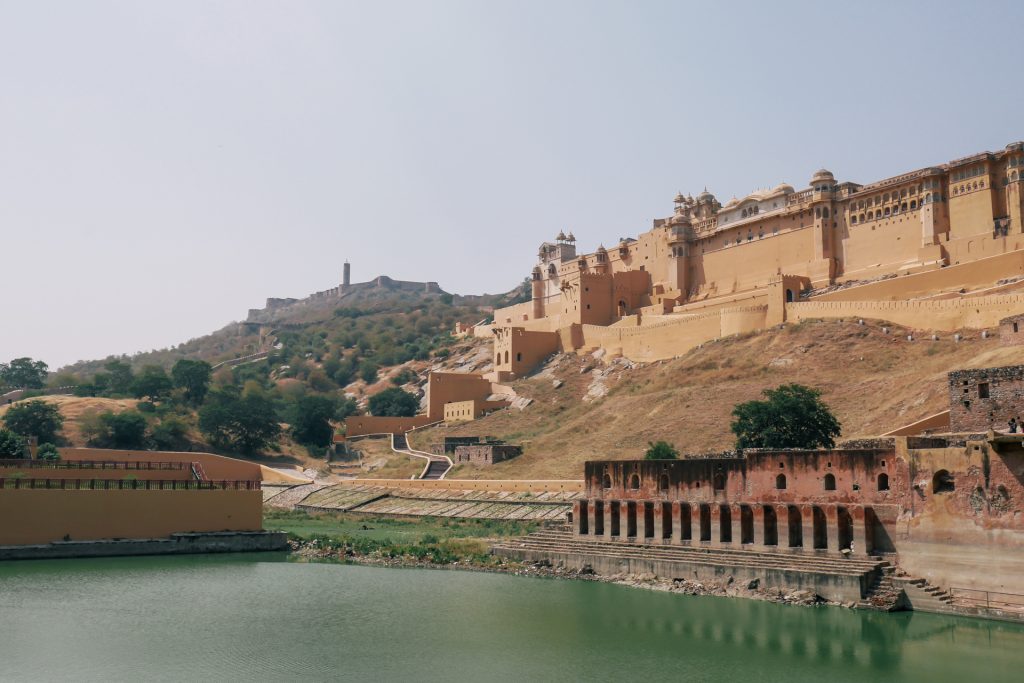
pixel 166 166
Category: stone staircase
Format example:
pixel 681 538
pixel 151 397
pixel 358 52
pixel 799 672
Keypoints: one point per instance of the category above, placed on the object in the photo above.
pixel 837 578
pixel 921 596
pixel 436 469
pixel 883 595
pixel 437 465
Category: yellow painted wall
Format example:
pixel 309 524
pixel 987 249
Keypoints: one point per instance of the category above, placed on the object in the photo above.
pixel 45 515
pixel 945 315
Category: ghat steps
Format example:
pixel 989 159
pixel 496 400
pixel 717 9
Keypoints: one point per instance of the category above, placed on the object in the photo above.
pixel 841 578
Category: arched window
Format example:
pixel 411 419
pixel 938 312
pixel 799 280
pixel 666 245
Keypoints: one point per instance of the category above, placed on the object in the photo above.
pixel 606 481
pixel 853 219
pixel 506 357
pixel 830 482
pixel 883 482
pixel 718 481
pixel 943 482
pixel 913 204
pixel 634 481
pixel 663 482
pixel 780 482
pixel 789 296
pixel 519 357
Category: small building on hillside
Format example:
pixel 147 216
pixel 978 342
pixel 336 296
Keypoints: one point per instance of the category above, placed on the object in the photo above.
pixel 1011 331
pixel 985 398
pixel 486 454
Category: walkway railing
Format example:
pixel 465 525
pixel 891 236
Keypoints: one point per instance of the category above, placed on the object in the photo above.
pixel 94 464
pixel 988 599
pixel 129 484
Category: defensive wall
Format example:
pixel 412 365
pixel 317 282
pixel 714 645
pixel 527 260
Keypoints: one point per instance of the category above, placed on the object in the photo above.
pixel 216 467
pixel 941 315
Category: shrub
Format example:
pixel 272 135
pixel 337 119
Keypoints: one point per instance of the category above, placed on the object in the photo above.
pixel 394 402
pixel 11 445
pixel 35 418
pixel 661 450
pixel 48 452
pixel 792 416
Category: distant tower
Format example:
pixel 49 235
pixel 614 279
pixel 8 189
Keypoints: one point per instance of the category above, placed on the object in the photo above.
pixel 346 275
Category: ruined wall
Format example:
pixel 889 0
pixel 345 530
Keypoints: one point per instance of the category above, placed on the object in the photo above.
pixel 986 398
pixel 485 454
pixel 49 515
pixel 1011 331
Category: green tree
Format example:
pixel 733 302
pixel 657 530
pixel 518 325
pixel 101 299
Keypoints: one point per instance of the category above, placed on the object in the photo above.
pixel 171 434
pixel 239 423
pixel 126 429
pixel 394 402
pixel 792 416
pixel 152 383
pixel 311 424
pixel 193 377
pixel 48 452
pixel 118 378
pixel 346 408
pixel 35 418
pixel 23 373
pixel 368 371
pixel 661 450
pixel 11 445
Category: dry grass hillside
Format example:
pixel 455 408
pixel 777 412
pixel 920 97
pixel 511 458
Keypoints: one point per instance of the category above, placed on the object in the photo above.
pixel 73 408
pixel 874 382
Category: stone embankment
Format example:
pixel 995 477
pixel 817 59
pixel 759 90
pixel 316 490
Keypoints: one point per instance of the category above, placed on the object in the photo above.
pixel 177 544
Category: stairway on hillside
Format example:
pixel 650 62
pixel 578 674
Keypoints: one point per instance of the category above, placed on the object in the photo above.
pixel 438 465
pixel 436 469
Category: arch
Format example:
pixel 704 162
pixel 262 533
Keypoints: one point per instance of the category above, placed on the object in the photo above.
pixel 705 522
pixel 820 528
pixel 780 482
pixel 606 481
pixel 506 358
pixel 519 357
pixel 599 518
pixel 883 482
pixel 795 524
pixel 771 526
pixel 666 521
pixel 718 481
pixel 913 204
pixel 844 520
pixel 583 522
pixel 616 516
pixel 725 524
pixel 943 482
pixel 830 482
pixel 746 524
pixel 789 296
pixel 634 481
pixel 648 520
pixel 623 308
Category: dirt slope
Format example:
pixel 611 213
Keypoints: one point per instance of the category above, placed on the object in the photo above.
pixel 873 381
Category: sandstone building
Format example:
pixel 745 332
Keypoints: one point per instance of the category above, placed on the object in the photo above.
pixel 712 269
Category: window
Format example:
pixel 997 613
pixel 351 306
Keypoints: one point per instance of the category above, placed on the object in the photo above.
pixel 943 482
pixel 634 482
pixel 982 389
pixel 830 482
pixel 883 482
pixel 780 482
pixel 606 482
pixel 663 483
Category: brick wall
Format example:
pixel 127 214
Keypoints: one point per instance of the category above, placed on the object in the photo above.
pixel 486 454
pixel 985 398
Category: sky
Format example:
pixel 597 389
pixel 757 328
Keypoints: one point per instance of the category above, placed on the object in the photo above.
pixel 165 166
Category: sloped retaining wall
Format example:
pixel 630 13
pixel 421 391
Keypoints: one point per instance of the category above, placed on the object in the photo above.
pixel 177 544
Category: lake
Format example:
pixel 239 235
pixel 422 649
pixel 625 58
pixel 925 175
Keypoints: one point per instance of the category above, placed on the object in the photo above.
pixel 264 617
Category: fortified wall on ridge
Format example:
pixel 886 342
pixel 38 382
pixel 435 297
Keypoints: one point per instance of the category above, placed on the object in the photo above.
pixel 938 248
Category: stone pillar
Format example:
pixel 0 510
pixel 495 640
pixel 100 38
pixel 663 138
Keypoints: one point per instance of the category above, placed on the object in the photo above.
pixel 591 518
pixel 641 522
pixel 677 524
pixel 737 525
pixel 782 525
pixel 860 535
pixel 659 523
pixel 607 519
pixel 576 518
pixel 832 522
pixel 716 524
pixel 807 521
pixel 758 515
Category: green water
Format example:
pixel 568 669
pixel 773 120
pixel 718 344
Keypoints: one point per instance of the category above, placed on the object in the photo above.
pixel 254 617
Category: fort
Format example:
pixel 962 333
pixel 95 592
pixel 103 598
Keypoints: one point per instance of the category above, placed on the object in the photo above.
pixel 937 248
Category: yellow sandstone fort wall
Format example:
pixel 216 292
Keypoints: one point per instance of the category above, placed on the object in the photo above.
pixel 216 467
pixel 44 515
pixel 945 314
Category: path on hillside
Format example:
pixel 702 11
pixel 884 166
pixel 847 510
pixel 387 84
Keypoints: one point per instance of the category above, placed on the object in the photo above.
pixel 437 465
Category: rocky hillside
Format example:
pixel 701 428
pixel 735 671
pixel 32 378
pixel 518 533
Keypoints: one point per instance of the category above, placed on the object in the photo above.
pixel 588 408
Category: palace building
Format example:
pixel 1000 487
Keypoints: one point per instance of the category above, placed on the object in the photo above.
pixel 712 269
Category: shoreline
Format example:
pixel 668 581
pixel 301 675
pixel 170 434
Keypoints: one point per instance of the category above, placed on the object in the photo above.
pixel 313 550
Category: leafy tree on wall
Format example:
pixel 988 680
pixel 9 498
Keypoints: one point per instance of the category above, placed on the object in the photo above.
pixel 791 416
pixel 661 450
pixel 394 402
pixel 193 377
pixel 234 422
pixel 23 373
pixel 11 445
pixel 35 418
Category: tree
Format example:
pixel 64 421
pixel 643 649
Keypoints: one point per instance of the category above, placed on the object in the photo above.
pixel 239 423
pixel 11 445
pixel 311 425
pixel 48 452
pixel 118 378
pixel 23 373
pixel 661 450
pixel 792 416
pixel 394 402
pixel 152 383
pixel 170 435
pixel 35 418
pixel 368 371
pixel 116 430
pixel 193 377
